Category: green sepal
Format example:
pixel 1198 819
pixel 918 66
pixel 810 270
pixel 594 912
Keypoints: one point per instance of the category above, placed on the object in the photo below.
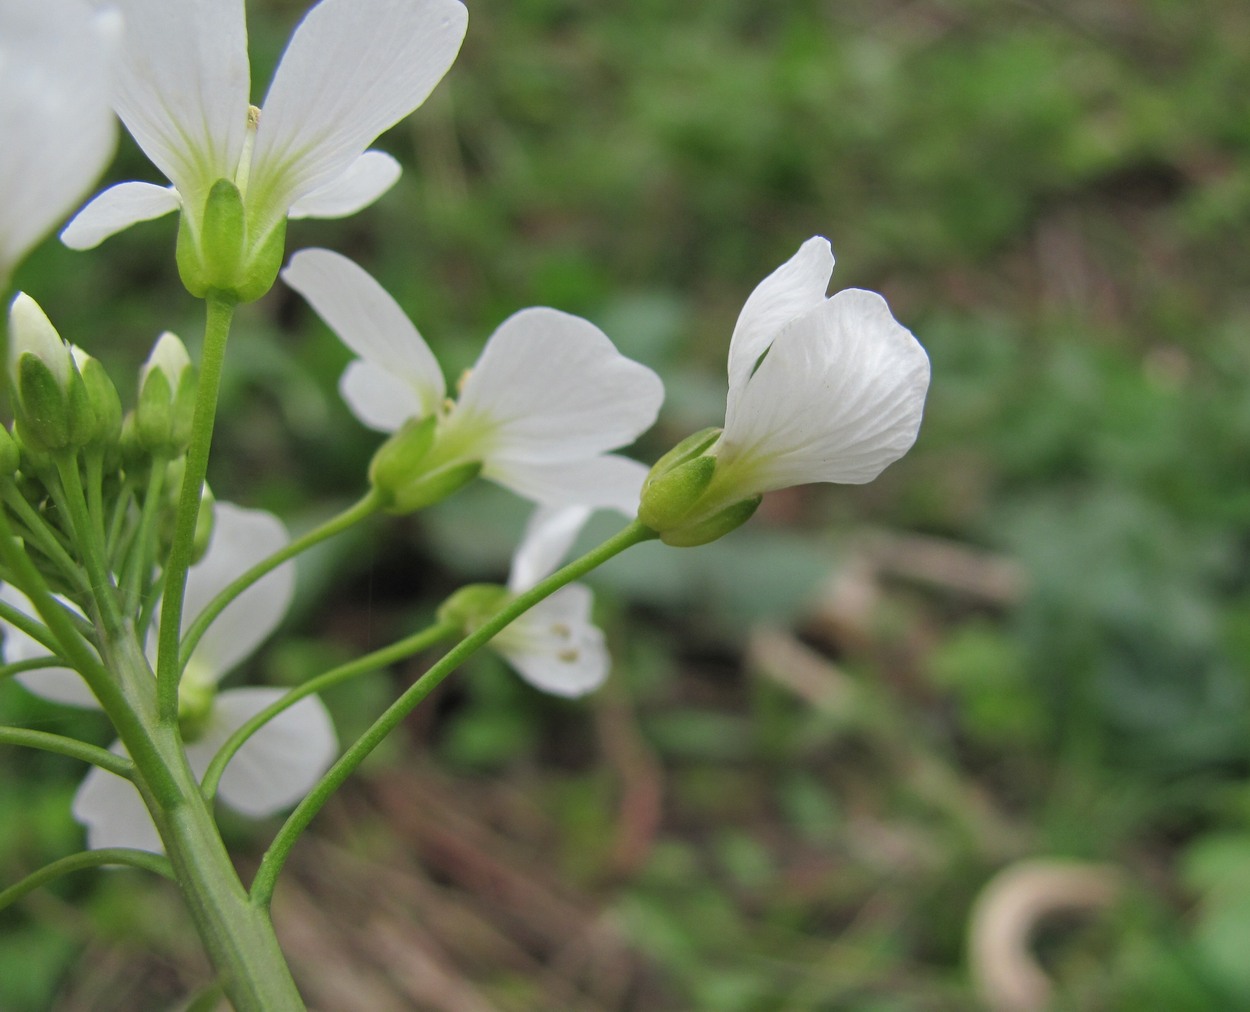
pixel 264 260
pixel 103 400
pixel 692 446
pixel 669 497
pixel 223 235
pixel 83 428
pixel 400 457
pixel 183 410
pixel 154 413
pixel 43 413
pixel 471 606
pixel 713 527
pixel 433 487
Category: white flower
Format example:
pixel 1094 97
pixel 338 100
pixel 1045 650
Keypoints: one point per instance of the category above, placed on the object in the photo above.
pixel 820 389
pixel 276 766
pixel 57 128
pixel 352 70
pixel 554 646
pixel 546 400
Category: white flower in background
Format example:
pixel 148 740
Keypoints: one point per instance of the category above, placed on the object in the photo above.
pixel 276 766
pixel 57 128
pixel 352 70
pixel 820 389
pixel 546 400
pixel 554 646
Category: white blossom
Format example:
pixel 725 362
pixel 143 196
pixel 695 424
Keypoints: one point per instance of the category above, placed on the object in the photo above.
pixel 554 646
pixel 546 400
pixel 820 389
pixel 352 70
pixel 57 128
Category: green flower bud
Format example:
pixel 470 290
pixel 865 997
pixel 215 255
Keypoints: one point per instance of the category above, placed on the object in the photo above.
pixel 167 391
pixel 42 405
pixel 103 404
pixel 172 493
pixel 471 606
pixel 43 373
pixel 197 691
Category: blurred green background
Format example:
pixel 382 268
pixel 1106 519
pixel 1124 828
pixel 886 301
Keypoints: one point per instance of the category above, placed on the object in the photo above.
pixel 827 736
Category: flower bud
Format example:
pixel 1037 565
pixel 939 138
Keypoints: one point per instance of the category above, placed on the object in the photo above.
pixel 470 607
pixel 104 406
pixel 167 391
pixel 43 373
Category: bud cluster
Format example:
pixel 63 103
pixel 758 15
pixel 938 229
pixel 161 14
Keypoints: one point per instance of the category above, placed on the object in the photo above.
pixel 69 425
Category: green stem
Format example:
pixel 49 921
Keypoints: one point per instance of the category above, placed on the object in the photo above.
pixel 142 548
pixel 397 651
pixel 68 641
pixel 90 543
pixel 366 507
pixel 35 664
pixel 219 313
pixel 17 618
pixel 71 747
pixel 87 859
pixel 238 935
pixel 42 536
pixel 271 865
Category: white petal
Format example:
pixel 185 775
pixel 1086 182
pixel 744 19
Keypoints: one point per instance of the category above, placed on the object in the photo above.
pixel 31 331
pixel 55 116
pixel 280 763
pixel 183 88
pixel 378 398
pixel 61 685
pixel 549 535
pixel 838 398
pixel 792 289
pixel 241 538
pixel 365 180
pixel 608 481
pixel 555 647
pixel 371 324
pixel 353 69
pixel 114 813
pixel 118 208
pixel 557 389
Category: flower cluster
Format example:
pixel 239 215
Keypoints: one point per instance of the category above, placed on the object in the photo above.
pixel 104 511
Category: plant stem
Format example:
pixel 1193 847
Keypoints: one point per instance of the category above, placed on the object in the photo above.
pixel 219 309
pixel 271 865
pixel 355 513
pixel 71 747
pixel 86 859
pixel 361 665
